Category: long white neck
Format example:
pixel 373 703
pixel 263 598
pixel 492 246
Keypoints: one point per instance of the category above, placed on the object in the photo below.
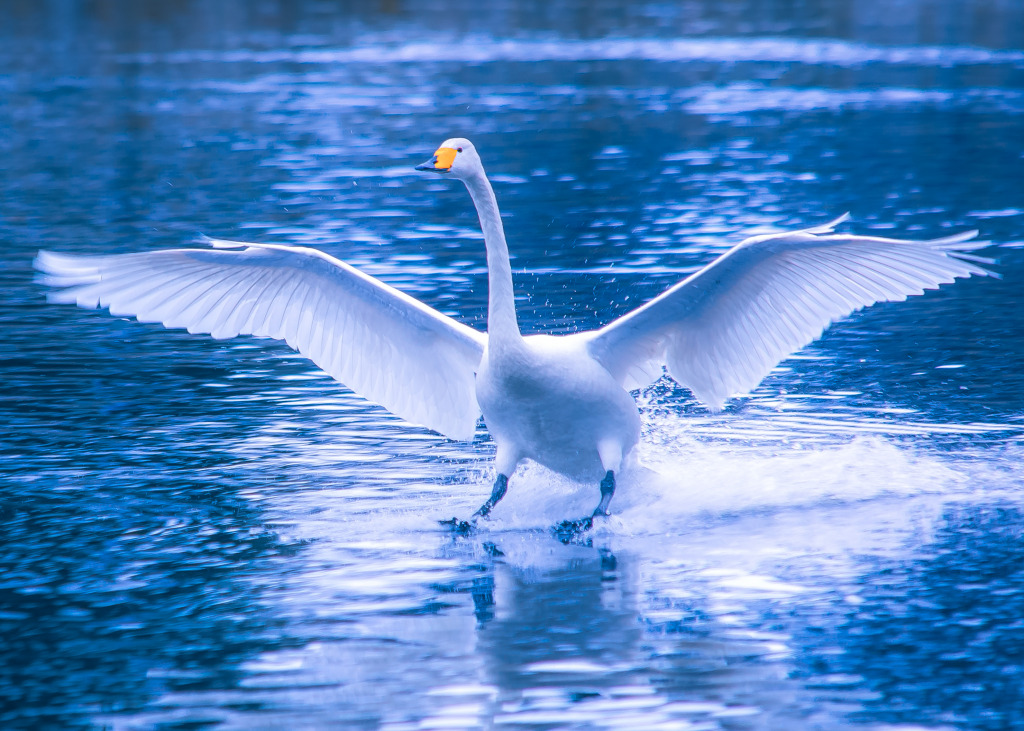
pixel 502 325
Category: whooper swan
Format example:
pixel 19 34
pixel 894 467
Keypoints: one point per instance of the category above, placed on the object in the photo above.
pixel 560 401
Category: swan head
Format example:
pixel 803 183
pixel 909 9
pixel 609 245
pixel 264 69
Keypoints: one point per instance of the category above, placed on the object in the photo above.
pixel 456 157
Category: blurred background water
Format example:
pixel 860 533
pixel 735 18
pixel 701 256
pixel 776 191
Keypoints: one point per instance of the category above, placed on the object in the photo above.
pixel 197 534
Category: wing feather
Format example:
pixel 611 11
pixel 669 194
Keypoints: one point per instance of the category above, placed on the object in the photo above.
pixel 721 330
pixel 380 342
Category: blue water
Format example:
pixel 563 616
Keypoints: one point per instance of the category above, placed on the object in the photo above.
pixel 199 534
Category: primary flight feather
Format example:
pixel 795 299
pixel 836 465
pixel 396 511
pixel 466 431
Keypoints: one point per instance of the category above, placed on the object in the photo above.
pixel 560 401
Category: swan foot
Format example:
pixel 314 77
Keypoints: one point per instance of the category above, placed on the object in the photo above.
pixel 607 491
pixel 462 527
pixel 569 530
pixel 497 493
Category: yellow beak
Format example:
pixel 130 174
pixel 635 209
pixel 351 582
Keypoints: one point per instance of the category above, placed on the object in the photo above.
pixel 441 162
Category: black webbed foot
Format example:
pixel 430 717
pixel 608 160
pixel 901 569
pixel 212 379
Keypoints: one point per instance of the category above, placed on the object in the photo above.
pixel 500 488
pixel 462 527
pixel 492 550
pixel 568 530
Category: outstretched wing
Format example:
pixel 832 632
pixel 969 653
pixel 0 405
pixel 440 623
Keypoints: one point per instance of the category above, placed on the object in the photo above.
pixel 720 331
pixel 381 343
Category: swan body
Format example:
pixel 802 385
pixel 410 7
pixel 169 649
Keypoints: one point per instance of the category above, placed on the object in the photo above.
pixel 561 401
pixel 546 399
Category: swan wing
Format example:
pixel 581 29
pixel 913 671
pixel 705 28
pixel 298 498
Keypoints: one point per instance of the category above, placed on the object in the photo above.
pixel 380 342
pixel 721 330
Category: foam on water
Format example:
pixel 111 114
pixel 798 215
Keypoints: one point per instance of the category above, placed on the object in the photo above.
pixel 672 490
pixel 692 470
pixel 774 455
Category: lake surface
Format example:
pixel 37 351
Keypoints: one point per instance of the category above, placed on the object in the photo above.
pixel 199 534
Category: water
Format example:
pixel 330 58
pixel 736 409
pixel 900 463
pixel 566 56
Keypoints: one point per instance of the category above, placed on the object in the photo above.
pixel 200 534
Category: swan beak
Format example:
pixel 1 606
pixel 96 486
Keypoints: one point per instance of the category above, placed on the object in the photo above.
pixel 441 162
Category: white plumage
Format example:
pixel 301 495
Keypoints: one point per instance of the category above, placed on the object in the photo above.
pixel 720 331
pixel 560 401
pixel 380 342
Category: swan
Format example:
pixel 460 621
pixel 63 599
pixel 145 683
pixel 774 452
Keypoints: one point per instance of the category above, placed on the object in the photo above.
pixel 561 401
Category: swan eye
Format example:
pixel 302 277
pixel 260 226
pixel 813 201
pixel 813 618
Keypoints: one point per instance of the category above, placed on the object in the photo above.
pixel 458 149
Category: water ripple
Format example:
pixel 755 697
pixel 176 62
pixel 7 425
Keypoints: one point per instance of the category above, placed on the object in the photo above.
pixel 479 50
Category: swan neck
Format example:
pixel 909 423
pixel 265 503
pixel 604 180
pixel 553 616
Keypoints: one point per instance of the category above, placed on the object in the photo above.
pixel 501 306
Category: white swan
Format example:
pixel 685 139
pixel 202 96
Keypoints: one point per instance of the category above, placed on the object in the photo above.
pixel 560 401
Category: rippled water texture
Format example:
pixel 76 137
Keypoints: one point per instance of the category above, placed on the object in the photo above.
pixel 197 534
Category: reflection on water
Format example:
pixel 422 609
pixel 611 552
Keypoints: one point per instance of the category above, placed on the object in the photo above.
pixel 197 534
pixel 958 649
